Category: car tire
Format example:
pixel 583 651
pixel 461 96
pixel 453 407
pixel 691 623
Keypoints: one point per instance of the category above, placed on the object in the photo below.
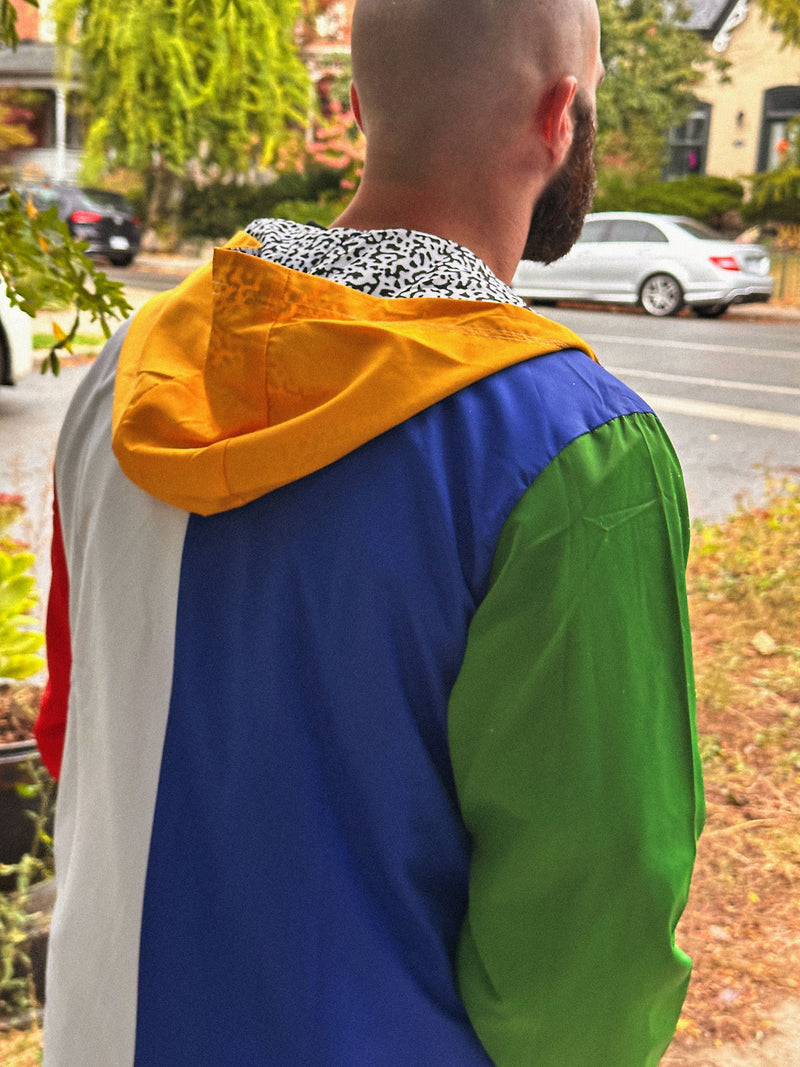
pixel 661 295
pixel 123 259
pixel 710 311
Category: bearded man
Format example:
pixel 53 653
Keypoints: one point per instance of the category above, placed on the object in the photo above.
pixel 371 692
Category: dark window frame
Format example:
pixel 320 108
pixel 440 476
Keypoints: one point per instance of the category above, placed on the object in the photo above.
pixel 780 104
pixel 687 144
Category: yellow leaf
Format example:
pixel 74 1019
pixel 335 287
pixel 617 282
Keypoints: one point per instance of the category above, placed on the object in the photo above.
pixel 43 244
pixel 61 336
pixel 754 898
pixel 31 210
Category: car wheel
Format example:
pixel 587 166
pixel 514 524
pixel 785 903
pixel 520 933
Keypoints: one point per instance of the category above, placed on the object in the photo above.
pixel 121 259
pixel 710 311
pixel 661 295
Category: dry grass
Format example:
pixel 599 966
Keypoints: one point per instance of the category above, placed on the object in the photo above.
pixel 21 1048
pixel 742 926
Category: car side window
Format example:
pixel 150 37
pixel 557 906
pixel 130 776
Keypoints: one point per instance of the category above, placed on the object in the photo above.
pixel 593 230
pixel 43 197
pixel 635 230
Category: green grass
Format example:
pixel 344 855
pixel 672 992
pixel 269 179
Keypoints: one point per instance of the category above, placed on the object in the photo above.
pixel 81 340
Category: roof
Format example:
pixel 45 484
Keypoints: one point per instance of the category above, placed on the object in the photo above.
pixel 707 16
pixel 34 59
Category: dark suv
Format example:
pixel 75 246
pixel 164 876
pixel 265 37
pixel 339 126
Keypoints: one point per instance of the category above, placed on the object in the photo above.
pixel 106 221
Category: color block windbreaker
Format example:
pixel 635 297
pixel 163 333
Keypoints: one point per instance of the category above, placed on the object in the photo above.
pixel 371 692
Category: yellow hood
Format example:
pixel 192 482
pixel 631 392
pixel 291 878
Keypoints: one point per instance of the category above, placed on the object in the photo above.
pixel 249 375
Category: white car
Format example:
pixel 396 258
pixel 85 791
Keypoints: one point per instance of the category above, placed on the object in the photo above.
pixel 16 341
pixel 661 262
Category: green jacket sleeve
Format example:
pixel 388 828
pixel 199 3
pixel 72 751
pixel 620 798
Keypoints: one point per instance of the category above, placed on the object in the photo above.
pixel 574 748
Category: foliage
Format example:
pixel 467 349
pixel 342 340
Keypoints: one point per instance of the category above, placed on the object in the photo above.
pixel 42 265
pixel 653 67
pixel 19 637
pixel 322 211
pixel 220 209
pixel 702 197
pixel 13 132
pixel 337 145
pixel 775 196
pixel 786 13
pixel 16 983
pixel 216 85
pixel 315 180
pixel 8 21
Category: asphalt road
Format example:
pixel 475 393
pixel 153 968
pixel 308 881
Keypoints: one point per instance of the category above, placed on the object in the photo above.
pixel 727 390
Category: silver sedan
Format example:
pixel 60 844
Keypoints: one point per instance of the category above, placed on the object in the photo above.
pixel 661 262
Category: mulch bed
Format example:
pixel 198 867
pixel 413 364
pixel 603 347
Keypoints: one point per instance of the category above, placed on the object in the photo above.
pixel 18 706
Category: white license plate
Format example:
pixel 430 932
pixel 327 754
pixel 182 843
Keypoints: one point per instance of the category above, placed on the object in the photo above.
pixel 120 244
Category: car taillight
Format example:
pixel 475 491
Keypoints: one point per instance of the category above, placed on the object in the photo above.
pixel 81 218
pixel 726 262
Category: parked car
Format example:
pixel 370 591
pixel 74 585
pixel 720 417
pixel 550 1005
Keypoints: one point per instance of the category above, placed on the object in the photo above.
pixel 107 221
pixel 658 261
pixel 16 340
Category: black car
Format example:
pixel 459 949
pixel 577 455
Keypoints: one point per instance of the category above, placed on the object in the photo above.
pixel 106 221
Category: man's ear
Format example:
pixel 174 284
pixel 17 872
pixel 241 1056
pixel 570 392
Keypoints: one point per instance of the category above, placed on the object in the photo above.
pixel 355 104
pixel 555 119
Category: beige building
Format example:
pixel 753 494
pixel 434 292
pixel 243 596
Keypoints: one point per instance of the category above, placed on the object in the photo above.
pixel 739 126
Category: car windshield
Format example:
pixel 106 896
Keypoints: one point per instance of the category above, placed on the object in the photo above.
pixel 697 229
pixel 102 201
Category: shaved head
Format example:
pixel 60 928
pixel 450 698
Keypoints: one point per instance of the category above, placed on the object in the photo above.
pixel 436 72
pixel 467 107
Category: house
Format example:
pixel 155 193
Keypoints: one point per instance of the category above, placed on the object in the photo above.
pixel 36 87
pixel 34 82
pixel 739 126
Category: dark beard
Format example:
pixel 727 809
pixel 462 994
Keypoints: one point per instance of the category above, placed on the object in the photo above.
pixel 557 219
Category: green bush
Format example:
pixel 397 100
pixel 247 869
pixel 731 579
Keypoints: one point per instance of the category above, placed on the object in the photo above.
pixel 322 211
pixel 775 196
pixel 20 637
pixel 703 197
pixel 219 210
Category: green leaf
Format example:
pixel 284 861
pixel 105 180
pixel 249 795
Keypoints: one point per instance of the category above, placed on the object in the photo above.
pixel 19 667
pixel 14 592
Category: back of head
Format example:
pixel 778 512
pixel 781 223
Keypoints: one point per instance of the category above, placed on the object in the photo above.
pixel 439 76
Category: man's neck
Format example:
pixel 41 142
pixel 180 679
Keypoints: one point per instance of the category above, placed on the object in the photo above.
pixel 380 206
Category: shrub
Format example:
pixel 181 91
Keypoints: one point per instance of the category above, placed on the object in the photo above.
pixel 219 210
pixel 775 196
pixel 20 638
pixel 322 211
pixel 704 197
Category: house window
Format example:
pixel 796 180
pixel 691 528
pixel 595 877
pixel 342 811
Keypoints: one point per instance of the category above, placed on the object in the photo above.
pixel 77 124
pixel 34 111
pixel 781 105
pixel 688 144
